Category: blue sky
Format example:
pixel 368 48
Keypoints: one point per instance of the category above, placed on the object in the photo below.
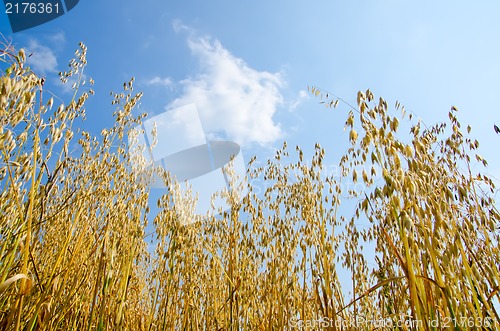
pixel 247 65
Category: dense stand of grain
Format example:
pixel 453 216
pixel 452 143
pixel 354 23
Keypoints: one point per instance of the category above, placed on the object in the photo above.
pixel 74 209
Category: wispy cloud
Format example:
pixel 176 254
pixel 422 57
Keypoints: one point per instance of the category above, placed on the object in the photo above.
pixel 301 97
pixel 233 99
pixel 42 60
pixel 159 81
pixel 58 38
pixel 179 26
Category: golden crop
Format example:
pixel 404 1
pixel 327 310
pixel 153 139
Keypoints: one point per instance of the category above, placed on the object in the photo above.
pixel 74 255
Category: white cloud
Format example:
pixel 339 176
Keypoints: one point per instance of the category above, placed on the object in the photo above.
pixel 232 98
pixel 42 60
pixel 58 37
pixel 301 97
pixel 179 26
pixel 165 82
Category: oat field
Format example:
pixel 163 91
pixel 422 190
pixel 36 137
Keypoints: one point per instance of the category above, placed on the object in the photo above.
pixel 73 253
